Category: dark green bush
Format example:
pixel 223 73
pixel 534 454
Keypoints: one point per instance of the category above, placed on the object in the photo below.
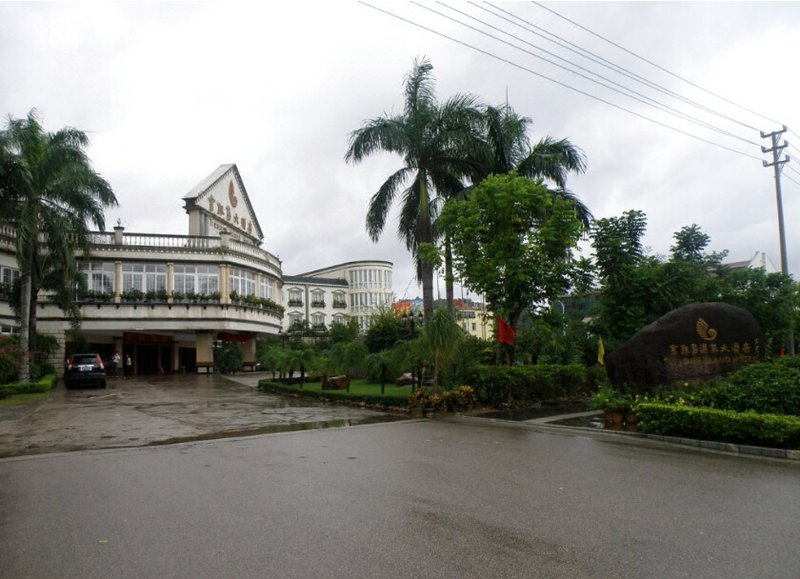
pixel 719 425
pixel 769 388
pixel 44 385
pixel 520 384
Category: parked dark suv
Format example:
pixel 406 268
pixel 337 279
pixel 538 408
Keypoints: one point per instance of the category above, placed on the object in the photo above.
pixel 85 370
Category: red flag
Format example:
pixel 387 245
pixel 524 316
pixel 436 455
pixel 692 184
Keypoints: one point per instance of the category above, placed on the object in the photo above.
pixel 505 333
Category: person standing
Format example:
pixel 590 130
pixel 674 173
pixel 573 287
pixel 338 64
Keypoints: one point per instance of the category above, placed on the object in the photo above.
pixel 116 365
pixel 128 366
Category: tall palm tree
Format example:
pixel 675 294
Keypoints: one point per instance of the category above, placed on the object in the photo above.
pixel 508 149
pixel 505 148
pixel 50 198
pixel 438 142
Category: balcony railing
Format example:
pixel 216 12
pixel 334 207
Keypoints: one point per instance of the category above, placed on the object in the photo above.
pixel 340 305
pixel 178 242
pixel 318 304
pixel 295 303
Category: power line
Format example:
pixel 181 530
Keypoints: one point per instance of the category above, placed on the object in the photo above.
pixel 565 85
pixel 579 50
pixel 650 62
pixel 654 103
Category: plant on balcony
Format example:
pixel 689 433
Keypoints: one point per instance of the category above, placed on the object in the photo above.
pixel 95 296
pixel 133 295
pixel 318 304
pixel 156 295
pixel 295 303
pixel 209 297
pixel 339 305
pixel 178 297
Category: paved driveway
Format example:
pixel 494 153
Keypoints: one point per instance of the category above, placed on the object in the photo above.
pixel 160 410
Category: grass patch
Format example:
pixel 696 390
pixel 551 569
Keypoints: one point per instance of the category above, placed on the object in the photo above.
pixel 360 391
pixel 16 399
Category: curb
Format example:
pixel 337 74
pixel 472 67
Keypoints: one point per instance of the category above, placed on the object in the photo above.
pixel 704 445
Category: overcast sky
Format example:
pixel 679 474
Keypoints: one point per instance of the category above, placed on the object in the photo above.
pixel 170 91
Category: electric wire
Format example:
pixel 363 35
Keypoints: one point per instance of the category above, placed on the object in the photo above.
pixel 638 96
pixel 545 77
pixel 650 62
pixel 588 54
pixel 792 180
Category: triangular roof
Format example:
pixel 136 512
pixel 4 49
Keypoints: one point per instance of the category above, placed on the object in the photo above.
pixel 223 196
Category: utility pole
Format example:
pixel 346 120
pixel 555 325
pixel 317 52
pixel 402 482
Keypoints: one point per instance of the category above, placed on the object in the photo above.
pixel 777 166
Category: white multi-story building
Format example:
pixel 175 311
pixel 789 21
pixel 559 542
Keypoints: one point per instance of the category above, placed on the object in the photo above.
pixel 169 300
pixel 321 297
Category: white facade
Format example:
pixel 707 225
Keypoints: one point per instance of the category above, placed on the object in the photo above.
pixel 356 289
pixel 167 300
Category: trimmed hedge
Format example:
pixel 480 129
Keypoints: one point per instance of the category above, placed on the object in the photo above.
pixel 719 425
pixel 520 384
pixel 769 388
pixel 44 385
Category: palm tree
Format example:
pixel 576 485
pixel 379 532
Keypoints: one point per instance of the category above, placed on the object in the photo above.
pixel 438 142
pixel 442 335
pixel 508 149
pixel 50 194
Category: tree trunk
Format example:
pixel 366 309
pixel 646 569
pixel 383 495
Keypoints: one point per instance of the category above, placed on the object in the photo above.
pixel 448 272
pixel 24 324
pixel 425 235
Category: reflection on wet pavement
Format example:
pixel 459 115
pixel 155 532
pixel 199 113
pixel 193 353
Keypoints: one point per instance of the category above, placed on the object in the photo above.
pixel 164 410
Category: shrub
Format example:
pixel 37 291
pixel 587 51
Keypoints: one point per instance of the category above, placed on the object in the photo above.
pixel 720 425
pixel 11 355
pixel 770 388
pixel 609 399
pixel 498 384
pixel 45 384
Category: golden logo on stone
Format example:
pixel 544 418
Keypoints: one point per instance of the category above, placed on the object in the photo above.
pixel 705 331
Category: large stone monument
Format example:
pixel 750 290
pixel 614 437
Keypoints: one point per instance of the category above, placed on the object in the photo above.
pixel 692 342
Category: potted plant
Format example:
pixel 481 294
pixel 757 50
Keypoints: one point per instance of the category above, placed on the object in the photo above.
pixel 614 403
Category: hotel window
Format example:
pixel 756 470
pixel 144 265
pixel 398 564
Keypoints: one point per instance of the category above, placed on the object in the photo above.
pixel 144 277
pixel 295 297
pixel 242 282
pixel 265 287
pixel 295 318
pixel 318 320
pixel 199 279
pixel 99 276
pixel 8 276
pixel 318 298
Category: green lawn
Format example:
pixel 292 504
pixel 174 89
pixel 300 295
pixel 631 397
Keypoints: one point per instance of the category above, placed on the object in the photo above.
pixel 359 390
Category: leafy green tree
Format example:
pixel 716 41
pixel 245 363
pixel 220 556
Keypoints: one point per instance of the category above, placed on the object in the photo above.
pixel 229 357
pixel 50 190
pixel 435 140
pixel 343 332
pixel 442 336
pixel 513 243
pixel 690 244
pixel 385 330
pixel 508 150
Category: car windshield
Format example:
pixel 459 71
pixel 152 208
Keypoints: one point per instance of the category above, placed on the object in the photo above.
pixel 84 360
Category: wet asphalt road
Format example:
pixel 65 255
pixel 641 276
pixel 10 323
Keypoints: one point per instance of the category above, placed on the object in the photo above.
pixel 430 498
pixel 158 410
